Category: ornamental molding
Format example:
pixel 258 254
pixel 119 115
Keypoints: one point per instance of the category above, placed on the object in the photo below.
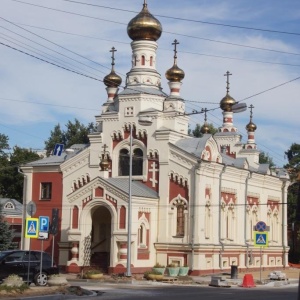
pixel 74 164
pixel 228 190
pixel 273 198
pixel 183 161
pixel 88 191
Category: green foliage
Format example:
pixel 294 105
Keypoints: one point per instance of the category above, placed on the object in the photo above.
pixel 264 158
pixel 13 289
pixel 75 133
pixel 158 265
pixel 6 234
pixel 11 181
pixel 293 168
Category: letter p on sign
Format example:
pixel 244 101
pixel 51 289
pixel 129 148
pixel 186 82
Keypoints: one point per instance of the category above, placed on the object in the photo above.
pixel 44 224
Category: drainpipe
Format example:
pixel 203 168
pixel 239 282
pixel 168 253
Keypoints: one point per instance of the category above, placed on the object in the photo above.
pixel 220 197
pixel 24 209
pixel 283 220
pixel 193 207
pixel 245 210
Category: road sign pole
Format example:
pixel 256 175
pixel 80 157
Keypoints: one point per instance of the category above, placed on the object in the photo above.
pixel 260 271
pixel 28 270
pixel 41 263
pixel 52 260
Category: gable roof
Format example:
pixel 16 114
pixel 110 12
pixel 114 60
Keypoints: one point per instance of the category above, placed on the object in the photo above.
pixel 53 160
pixel 138 188
pixel 11 207
pixel 193 146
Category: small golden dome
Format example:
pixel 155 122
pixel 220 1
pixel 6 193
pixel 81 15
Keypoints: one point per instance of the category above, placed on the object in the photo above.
pixel 104 164
pixel 175 74
pixel 144 26
pixel 227 102
pixel 112 79
pixel 205 129
pixel 251 127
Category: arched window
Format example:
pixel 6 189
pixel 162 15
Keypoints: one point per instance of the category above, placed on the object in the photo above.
pixel 143 60
pixel 137 162
pixel 180 220
pixel 124 162
pixel 151 61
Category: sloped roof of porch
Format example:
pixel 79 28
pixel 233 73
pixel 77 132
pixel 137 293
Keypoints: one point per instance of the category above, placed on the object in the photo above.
pixel 138 188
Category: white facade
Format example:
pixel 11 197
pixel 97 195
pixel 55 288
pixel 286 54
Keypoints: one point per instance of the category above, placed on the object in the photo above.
pixel 195 201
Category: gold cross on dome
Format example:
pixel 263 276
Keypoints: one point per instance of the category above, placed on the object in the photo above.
pixel 227 75
pixel 175 48
pixel 113 50
pixel 104 149
pixel 251 111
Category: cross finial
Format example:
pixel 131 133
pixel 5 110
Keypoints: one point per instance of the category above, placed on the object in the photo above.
pixel 251 111
pixel 227 75
pixel 104 149
pixel 175 49
pixel 205 113
pixel 113 50
pixel 145 3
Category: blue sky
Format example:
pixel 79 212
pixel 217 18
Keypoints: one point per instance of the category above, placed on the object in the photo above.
pixel 35 96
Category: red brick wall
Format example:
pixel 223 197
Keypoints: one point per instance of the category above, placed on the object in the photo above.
pixel 44 207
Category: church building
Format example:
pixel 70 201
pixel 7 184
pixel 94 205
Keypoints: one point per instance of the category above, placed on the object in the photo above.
pixel 144 191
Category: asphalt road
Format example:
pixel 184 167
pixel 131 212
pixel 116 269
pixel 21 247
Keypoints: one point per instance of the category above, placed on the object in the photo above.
pixel 212 293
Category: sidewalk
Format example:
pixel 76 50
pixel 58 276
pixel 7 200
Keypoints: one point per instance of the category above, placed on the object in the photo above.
pixel 292 275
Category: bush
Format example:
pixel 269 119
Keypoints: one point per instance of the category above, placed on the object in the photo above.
pixel 158 265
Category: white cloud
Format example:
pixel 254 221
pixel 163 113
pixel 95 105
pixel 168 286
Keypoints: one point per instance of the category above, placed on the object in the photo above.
pixel 27 79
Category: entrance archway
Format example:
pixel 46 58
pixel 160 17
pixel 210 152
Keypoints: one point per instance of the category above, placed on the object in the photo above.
pixel 101 238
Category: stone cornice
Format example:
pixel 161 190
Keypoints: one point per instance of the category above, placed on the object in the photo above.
pixel 81 158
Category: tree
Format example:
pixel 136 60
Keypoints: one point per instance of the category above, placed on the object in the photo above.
pixel 293 168
pixel 293 200
pixel 75 133
pixel 6 234
pixel 11 181
pixel 264 158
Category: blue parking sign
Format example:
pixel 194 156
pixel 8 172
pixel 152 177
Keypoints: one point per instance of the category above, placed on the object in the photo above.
pixel 43 224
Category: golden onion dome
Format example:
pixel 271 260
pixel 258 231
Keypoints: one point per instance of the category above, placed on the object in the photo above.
pixel 112 79
pixel 227 102
pixel 175 74
pixel 104 164
pixel 144 26
pixel 205 129
pixel 251 127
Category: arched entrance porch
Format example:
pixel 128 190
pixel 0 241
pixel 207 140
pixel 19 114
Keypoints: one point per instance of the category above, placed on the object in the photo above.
pixel 100 238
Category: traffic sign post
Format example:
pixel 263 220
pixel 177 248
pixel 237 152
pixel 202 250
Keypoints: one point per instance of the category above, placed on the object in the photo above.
pixel 43 224
pixel 261 238
pixel 58 149
pixel 31 230
pixel 43 235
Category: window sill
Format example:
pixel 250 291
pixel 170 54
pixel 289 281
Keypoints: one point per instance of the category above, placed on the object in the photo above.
pixel 178 236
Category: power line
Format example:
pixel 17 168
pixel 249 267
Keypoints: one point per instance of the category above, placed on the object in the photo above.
pixel 168 32
pixel 185 19
pixel 73 52
pixel 178 34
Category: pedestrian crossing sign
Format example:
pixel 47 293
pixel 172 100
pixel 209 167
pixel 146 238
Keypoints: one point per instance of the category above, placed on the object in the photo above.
pixel 261 239
pixel 31 230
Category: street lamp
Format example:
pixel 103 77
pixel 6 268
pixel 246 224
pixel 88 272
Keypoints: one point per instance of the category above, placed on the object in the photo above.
pixel 145 121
